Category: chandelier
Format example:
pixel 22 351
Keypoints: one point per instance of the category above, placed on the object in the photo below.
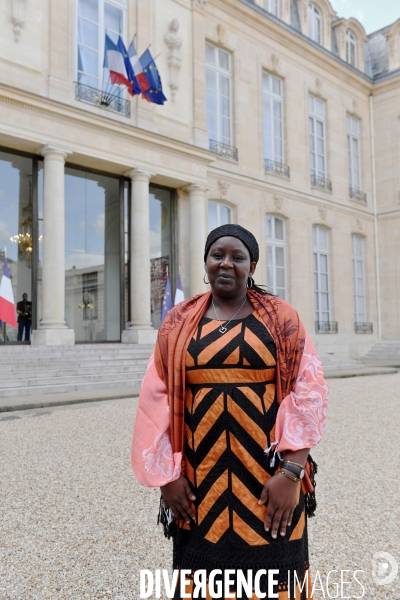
pixel 24 237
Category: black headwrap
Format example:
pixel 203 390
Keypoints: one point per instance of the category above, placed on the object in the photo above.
pixel 236 231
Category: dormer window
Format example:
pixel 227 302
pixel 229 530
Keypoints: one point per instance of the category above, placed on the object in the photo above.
pixel 351 46
pixel 272 6
pixel 314 23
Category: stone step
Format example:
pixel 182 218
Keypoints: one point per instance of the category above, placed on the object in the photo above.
pixel 386 352
pixel 39 370
pixel 5 352
pixel 63 371
pixel 94 377
pixel 76 364
pixel 382 356
pixel 383 361
pixel 105 347
pixel 338 363
pixel 73 359
pixel 54 388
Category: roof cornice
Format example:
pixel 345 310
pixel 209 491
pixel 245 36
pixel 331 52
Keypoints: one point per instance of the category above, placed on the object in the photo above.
pixel 249 4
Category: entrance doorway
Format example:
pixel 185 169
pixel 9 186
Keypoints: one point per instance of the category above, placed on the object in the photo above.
pixel 93 237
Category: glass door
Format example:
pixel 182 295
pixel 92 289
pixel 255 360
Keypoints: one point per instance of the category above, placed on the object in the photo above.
pixel 92 255
pixel 161 260
pixel 16 238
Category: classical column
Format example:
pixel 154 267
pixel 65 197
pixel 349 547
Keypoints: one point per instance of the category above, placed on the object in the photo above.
pixel 197 236
pixel 53 330
pixel 141 329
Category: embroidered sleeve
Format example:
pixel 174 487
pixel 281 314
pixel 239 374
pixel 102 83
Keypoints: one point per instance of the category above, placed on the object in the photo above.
pixel 301 417
pixel 153 462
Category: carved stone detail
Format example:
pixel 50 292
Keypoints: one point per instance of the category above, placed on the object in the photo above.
pixel 223 188
pixel 359 224
pixel 221 30
pixel 278 201
pixel 18 16
pixel 199 4
pixel 174 59
pixel 322 213
pixel 274 62
pixel 318 84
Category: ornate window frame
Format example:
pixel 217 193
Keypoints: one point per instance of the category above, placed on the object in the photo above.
pixel 121 5
pixel 351 48
pixel 360 259
pixel 393 38
pixel 219 203
pixel 321 251
pixel 273 243
pixel 228 73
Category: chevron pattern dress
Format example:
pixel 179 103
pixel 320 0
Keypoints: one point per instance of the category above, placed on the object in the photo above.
pixel 230 416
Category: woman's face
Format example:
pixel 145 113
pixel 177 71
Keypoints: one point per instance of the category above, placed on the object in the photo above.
pixel 228 267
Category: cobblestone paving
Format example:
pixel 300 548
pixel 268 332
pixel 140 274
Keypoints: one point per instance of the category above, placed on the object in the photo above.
pixel 74 523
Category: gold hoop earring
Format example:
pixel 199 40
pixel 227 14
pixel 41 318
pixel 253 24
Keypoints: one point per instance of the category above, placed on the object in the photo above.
pixel 204 279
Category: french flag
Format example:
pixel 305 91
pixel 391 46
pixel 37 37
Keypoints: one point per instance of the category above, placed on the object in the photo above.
pixel 7 308
pixel 137 68
pixel 115 63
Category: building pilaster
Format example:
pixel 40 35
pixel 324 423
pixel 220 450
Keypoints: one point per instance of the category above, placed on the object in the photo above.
pixel 197 236
pixel 141 329
pixel 53 330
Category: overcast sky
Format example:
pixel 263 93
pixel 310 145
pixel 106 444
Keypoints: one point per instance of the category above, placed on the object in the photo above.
pixel 373 14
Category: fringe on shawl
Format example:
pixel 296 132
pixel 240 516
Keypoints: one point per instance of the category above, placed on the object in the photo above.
pixel 171 529
pixel 310 498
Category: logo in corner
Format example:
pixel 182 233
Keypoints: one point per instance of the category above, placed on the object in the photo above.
pixel 384 568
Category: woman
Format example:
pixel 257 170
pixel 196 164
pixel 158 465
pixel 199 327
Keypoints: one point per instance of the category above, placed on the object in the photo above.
pixel 234 378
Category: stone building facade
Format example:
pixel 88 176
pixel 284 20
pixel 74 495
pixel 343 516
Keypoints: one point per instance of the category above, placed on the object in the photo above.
pixel 281 116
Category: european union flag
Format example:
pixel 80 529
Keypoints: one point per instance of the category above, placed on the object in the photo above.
pixel 155 93
pixel 167 300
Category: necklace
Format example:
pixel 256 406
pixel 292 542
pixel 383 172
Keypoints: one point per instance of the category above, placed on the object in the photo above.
pixel 224 328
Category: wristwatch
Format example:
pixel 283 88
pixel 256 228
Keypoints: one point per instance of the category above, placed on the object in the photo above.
pixel 293 468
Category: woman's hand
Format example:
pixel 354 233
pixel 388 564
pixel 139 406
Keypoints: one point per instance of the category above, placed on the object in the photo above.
pixel 176 496
pixel 282 495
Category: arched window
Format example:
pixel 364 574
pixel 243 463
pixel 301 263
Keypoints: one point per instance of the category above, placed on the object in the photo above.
pixel 321 274
pixel 351 47
pixel 218 214
pixel 314 23
pixel 272 6
pixel 276 255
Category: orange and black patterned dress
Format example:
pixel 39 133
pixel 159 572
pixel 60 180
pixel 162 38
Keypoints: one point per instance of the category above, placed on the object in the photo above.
pixel 230 415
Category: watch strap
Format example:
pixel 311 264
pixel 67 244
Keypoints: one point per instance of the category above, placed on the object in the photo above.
pixel 290 467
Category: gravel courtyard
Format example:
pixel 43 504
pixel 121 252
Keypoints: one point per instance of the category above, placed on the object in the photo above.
pixel 74 523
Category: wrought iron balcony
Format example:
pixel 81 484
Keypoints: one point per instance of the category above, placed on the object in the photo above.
pixel 276 168
pixel 326 327
pixel 357 195
pixel 103 99
pixel 363 327
pixel 224 150
pixel 321 183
